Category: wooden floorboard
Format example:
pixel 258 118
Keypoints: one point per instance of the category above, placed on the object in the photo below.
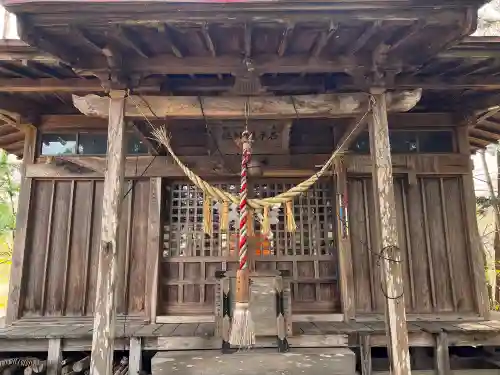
pixel 136 329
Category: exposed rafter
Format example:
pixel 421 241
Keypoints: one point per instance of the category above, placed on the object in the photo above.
pixel 129 38
pixel 208 39
pixel 363 39
pixel 165 30
pixel 323 39
pixel 248 40
pixel 410 32
pixel 284 39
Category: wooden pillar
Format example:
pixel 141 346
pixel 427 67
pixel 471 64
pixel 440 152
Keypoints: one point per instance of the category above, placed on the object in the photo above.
pixel 477 259
pixel 14 304
pixel 154 246
pixel 344 243
pixel 442 355
pixel 54 357
pixel 388 246
pixel 105 303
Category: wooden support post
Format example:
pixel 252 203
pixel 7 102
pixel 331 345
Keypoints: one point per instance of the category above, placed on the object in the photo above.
pixel 477 259
pixel 442 355
pixel 344 243
pixel 388 246
pixel 105 303
pixel 14 305
pixel 366 355
pixel 54 357
pixel 135 356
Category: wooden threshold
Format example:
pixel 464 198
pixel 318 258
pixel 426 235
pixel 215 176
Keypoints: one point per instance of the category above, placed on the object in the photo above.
pixel 211 318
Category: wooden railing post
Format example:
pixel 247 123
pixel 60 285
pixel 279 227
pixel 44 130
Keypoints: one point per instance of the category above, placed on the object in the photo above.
pixel 105 302
pixel 388 246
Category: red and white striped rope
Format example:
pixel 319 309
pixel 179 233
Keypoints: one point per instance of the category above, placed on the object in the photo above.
pixel 243 243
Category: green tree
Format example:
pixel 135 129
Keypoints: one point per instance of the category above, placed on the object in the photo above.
pixel 9 190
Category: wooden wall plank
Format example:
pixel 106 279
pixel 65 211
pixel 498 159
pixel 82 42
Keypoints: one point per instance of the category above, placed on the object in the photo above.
pixel 401 228
pixel 421 275
pixel 78 247
pixel 456 220
pixel 48 245
pixel 17 276
pixel 124 244
pixel 58 251
pixel 140 210
pixel 95 246
pixel 36 247
pixel 154 246
pixel 373 230
pixel 344 246
pixel 438 245
pixel 360 257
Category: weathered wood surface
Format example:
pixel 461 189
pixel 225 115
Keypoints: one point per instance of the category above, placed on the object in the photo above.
pixel 388 246
pixel 278 165
pixel 54 123
pixel 475 254
pixel 326 105
pixel 344 245
pixel 105 301
pixel 78 244
pixel 418 240
pixel 19 258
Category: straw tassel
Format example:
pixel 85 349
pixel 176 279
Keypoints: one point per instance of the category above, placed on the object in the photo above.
pixel 207 215
pixel 242 327
pixel 224 217
pixel 290 217
pixel 266 226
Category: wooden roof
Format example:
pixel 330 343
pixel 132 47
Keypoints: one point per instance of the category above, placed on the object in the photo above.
pixel 246 48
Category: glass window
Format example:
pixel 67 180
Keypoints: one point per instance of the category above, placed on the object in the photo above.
pixel 136 146
pixel 438 141
pixel 403 142
pixel 362 144
pixel 58 144
pixel 92 144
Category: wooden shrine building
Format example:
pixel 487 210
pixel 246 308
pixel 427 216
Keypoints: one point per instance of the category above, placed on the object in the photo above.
pixel 308 77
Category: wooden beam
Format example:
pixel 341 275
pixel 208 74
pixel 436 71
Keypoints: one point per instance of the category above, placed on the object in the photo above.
pixel 15 302
pixel 391 273
pixel 167 64
pixel 105 301
pixel 48 85
pixel 492 137
pixel 277 165
pixel 327 105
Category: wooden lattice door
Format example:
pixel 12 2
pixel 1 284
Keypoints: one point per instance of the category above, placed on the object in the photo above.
pixel 190 258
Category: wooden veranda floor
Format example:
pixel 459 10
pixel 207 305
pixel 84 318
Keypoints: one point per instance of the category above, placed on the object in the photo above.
pixel 28 336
